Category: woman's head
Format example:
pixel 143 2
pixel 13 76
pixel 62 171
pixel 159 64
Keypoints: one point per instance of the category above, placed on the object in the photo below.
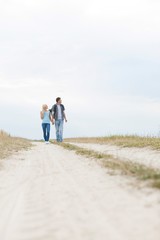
pixel 44 107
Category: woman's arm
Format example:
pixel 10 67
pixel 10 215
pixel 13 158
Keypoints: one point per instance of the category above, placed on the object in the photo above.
pixel 41 114
pixel 51 117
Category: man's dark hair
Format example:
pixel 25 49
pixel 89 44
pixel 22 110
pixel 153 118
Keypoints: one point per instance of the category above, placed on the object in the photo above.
pixel 57 99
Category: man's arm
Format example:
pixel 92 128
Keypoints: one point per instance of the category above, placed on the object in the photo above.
pixel 64 116
pixel 63 110
pixel 52 114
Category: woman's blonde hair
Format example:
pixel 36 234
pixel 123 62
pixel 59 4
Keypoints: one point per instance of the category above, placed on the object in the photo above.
pixel 44 107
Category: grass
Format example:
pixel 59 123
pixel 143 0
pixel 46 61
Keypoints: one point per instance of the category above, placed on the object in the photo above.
pixel 122 140
pixel 140 171
pixel 9 144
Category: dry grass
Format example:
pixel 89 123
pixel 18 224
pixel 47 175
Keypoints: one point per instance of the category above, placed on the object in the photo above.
pixel 141 172
pixel 123 141
pixel 9 144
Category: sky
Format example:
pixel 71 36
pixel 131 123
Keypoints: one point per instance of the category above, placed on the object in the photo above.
pixel 101 57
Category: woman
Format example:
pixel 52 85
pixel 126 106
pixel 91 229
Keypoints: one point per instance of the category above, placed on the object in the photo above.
pixel 46 118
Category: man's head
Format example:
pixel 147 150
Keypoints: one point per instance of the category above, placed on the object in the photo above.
pixel 58 100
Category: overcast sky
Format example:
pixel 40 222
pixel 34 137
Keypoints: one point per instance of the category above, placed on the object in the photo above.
pixel 102 57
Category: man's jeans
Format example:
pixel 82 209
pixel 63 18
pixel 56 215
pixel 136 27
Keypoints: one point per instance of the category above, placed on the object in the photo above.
pixel 59 130
pixel 46 131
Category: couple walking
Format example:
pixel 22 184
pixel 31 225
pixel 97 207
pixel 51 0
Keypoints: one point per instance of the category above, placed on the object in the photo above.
pixel 56 115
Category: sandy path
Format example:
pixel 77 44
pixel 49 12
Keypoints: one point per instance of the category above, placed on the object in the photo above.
pixel 145 156
pixel 50 193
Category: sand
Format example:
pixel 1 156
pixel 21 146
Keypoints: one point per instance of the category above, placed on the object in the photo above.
pixel 48 193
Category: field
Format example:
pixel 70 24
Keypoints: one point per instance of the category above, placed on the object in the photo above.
pixel 122 140
pixel 9 144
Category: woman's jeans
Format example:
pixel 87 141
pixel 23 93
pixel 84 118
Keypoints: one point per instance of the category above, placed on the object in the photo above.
pixel 59 130
pixel 46 131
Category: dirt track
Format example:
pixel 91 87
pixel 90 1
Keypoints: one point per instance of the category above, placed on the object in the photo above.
pixel 50 193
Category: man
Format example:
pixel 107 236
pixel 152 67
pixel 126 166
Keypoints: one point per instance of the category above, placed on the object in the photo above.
pixel 58 113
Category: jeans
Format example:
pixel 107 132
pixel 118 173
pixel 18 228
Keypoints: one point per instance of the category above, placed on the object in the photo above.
pixel 46 131
pixel 59 130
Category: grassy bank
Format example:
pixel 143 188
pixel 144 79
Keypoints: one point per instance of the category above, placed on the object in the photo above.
pixel 141 172
pixel 9 144
pixel 123 141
